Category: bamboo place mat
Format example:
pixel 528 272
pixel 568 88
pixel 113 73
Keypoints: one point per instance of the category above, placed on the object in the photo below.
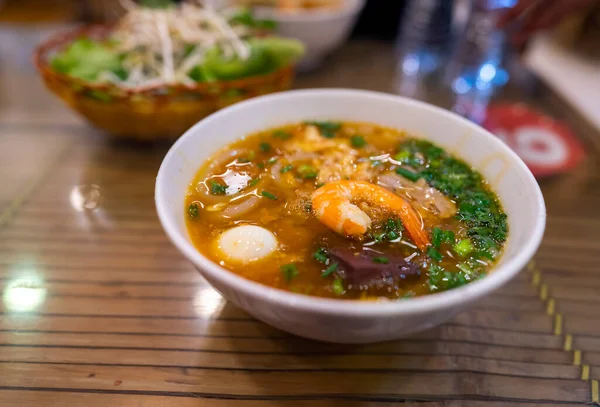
pixel 127 320
pixel 99 309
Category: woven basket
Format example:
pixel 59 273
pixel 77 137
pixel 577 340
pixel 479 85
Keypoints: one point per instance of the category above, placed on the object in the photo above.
pixel 152 112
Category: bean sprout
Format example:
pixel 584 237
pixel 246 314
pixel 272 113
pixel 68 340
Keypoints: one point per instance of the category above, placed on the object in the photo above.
pixel 161 45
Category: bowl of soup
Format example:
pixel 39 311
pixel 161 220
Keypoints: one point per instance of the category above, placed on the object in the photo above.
pixel 349 216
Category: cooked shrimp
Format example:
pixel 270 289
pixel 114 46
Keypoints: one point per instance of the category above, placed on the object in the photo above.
pixel 333 207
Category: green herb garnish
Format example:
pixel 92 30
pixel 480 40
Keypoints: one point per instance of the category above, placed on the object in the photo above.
pixel 379 237
pixel 254 182
pixel 269 195
pixel 393 229
pixel 327 129
pixel 440 279
pixel 272 160
pixel 287 168
pixel 193 211
pixel 338 286
pixel 289 271
pixel 358 141
pixel 439 236
pixel 321 255
pixel 216 188
pixel 381 260
pixel 434 254
pixel 329 270
pixel 265 147
pixel 308 172
pixel 283 135
pixel 408 174
pixel 478 207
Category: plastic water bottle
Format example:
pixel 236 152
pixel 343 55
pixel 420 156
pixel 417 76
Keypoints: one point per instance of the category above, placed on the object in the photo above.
pixel 475 69
pixel 423 42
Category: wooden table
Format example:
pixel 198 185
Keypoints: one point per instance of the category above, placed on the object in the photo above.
pixel 100 310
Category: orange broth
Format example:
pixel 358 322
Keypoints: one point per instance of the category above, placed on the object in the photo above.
pixel 280 168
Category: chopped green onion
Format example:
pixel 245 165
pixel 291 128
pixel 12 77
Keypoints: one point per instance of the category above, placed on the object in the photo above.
pixel 331 126
pixel 412 176
pixel 375 163
pixel 437 236
pixel 358 141
pixel 265 147
pixel 193 211
pixel 287 168
pixel 216 188
pixel 329 270
pixel 321 255
pixel 436 276
pixel 260 165
pixel 338 286
pixel 319 185
pixel 308 172
pixel 269 195
pixel 289 271
pixel 283 135
pixel 434 254
pixel 272 160
pixel 402 156
pixel 381 260
pixel 327 129
pixel 463 248
pixel 254 182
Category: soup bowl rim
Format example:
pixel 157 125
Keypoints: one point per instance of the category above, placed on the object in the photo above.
pixel 349 307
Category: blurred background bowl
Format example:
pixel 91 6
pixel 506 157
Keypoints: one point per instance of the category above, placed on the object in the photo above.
pixel 152 112
pixel 322 30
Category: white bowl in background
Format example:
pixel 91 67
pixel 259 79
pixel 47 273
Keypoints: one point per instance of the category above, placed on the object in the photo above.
pixel 321 30
pixel 348 321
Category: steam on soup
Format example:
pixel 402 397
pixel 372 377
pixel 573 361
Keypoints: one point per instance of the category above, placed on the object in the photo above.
pixel 345 210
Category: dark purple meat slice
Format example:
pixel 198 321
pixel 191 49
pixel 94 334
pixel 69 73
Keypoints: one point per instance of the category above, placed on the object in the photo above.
pixel 362 269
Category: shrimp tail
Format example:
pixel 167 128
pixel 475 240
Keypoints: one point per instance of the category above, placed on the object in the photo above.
pixel 413 224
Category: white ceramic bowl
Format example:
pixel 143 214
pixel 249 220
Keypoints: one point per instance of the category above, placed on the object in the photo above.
pixel 350 321
pixel 321 30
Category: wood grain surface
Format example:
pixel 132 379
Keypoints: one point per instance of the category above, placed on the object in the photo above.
pixel 100 310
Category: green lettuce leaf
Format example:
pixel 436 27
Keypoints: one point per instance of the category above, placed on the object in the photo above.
pixel 85 59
